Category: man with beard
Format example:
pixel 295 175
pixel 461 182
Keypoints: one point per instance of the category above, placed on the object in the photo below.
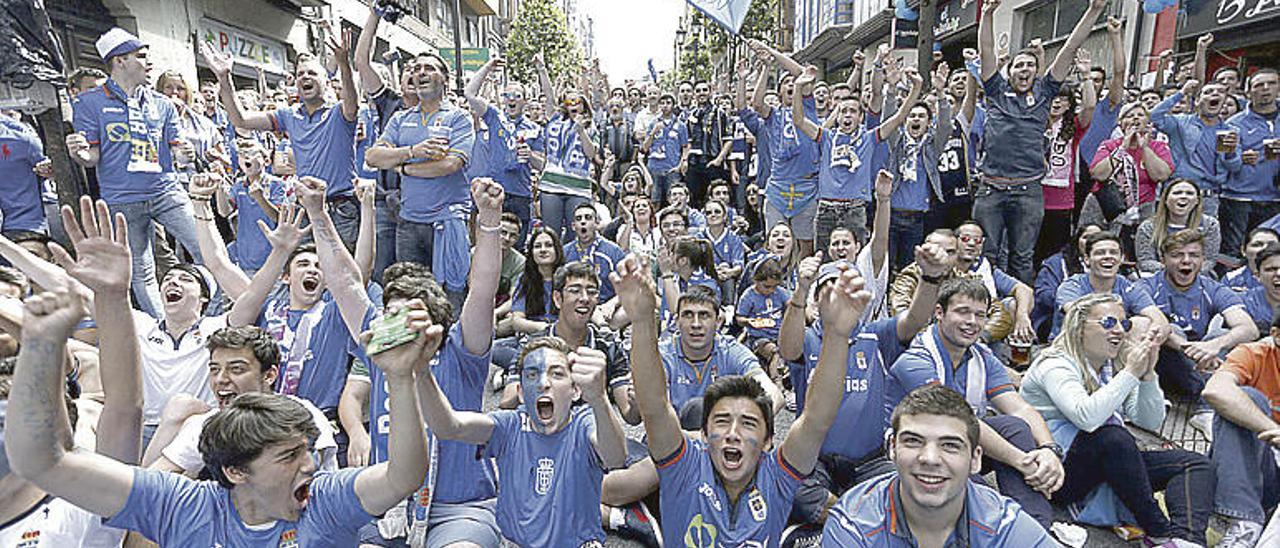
pixel 516 150
pixel 1010 199
pixel 929 498
pixel 430 147
pixel 708 147
pixel 322 135
pixel 1195 139
pixel 731 489
pixel 1102 257
pixel 1250 195
pixel 1017 443
pixel 1190 300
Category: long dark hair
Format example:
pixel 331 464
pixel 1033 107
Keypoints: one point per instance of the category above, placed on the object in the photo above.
pixel 699 252
pixel 532 282
pixel 1067 133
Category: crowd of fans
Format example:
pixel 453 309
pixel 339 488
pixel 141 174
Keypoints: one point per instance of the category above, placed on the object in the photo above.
pixel 356 309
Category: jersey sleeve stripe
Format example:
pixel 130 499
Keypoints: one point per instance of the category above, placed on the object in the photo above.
pixel 674 457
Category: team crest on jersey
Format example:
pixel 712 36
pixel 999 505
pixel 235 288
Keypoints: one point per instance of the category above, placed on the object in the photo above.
pixel 1195 313
pixel 543 475
pixel 861 358
pixel 759 509
pixel 288 539
pixel 30 539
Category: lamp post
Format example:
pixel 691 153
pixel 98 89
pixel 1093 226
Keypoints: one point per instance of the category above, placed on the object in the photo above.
pixel 680 34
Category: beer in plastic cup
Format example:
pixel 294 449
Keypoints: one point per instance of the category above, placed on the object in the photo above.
pixel 1019 354
pixel 1271 148
pixel 1222 141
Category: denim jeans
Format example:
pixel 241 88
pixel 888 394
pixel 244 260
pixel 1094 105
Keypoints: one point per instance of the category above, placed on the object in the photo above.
pixel 345 212
pixel 415 242
pixel 906 231
pixel 557 211
pixel 839 214
pixel 1248 477
pixel 522 206
pixel 385 223
pixel 1009 479
pixel 1010 216
pixel 1110 455
pixel 1238 216
pixel 661 184
pixel 1178 374
pixel 173 211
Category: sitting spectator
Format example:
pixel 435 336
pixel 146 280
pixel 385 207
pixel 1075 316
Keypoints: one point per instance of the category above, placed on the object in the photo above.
pixel 639 233
pixel 590 246
pixel 1086 385
pixel 1056 269
pixel 532 309
pixel 1261 302
pixel 1246 277
pixel 1102 257
pixel 728 250
pixel 759 312
pixel 1179 208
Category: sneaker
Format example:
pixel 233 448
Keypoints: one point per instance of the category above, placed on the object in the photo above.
pixel 1240 533
pixel 1156 542
pixel 1203 422
pixel 791 401
pixel 639 526
pixel 802 536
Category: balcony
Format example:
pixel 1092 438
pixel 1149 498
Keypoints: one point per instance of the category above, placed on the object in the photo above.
pixel 482 7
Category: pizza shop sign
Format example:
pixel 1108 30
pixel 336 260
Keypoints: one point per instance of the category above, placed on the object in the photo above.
pixel 1200 16
pixel 245 47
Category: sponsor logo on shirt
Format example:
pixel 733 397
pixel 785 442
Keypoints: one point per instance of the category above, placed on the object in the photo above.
pixel 759 509
pixel 543 475
pixel 710 493
pixel 700 534
pixel 112 110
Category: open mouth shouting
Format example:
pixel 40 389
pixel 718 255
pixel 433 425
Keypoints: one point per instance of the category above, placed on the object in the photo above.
pixel 310 283
pixel 302 493
pixel 546 409
pixel 173 294
pixel 225 396
pixel 732 458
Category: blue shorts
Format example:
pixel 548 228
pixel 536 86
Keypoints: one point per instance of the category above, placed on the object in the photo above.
pixel 449 523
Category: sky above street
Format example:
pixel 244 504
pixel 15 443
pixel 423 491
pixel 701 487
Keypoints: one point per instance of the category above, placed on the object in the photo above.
pixel 630 32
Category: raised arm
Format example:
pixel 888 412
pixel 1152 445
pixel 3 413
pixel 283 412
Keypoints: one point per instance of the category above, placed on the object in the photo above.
pixel 969 105
pixel 880 225
pixel 38 433
pixel 633 280
pixel 367 238
pixel 284 238
pixel 1062 62
pixel 987 55
pixel 341 274
pixel 544 83
pixel 486 267
pixel 472 91
pixel 1119 68
pixel 370 81
pixel 855 72
pixel 341 51
pixel 932 262
pixel 1200 68
pixel 879 73
pixel 587 366
pixel 785 61
pixel 888 127
pixel 762 81
pixel 839 311
pixel 1088 93
pixel 231 279
pixel 102 264
pixel 239 117
pixel 791 332
pixel 447 422
pixel 384 485
pixel 804 86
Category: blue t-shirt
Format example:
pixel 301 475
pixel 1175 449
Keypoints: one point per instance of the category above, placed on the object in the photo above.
pixel 251 245
pixel 551 496
pixel 686 381
pixel 171 510
pixel 754 305
pixel 870 516
pixel 427 200
pixel 1134 296
pixel 1019 119
pixel 461 477
pixel 764 155
pixel 917 366
pixel 366 127
pixel 849 163
pixel 1192 309
pixel 328 355
pixel 135 160
pixel 1100 128
pixel 863 417
pixel 911 180
pixel 547 314
pixel 793 182
pixel 1256 305
pixel 1241 280
pixel 324 144
pixel 669 139
pixel 20 151
pixel 604 254
pixel 728 249
pixel 504 138
pixel 696 510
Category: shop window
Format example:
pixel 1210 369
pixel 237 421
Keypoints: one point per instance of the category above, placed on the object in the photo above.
pixel 1052 20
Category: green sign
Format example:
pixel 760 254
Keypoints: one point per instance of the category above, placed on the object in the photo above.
pixel 472 58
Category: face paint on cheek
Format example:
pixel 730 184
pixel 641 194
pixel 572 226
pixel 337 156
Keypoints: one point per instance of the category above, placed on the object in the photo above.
pixel 533 371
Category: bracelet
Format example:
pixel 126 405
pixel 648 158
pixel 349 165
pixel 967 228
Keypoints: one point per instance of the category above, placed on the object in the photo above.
pixel 792 302
pixel 489 229
pixel 935 280
pixel 198 198
pixel 1057 449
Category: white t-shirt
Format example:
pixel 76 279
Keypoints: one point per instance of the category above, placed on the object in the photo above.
pixel 184 450
pixel 877 283
pixel 56 523
pixel 170 367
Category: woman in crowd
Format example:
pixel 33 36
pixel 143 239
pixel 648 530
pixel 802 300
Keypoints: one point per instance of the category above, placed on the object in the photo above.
pixel 1056 268
pixel 1069 119
pixel 532 309
pixel 1128 169
pixel 754 214
pixel 640 234
pixel 1086 384
pixel 729 255
pixel 1178 208
pixel 566 180
pixel 780 244
pixel 198 132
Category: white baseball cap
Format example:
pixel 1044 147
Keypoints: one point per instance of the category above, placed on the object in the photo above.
pixel 117 41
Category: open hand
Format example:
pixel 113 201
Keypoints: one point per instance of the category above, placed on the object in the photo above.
pixel 103 262
pixel 288 231
pixel 218 62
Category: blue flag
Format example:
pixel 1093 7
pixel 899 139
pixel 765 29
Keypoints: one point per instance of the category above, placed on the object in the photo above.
pixel 653 73
pixel 902 11
pixel 728 13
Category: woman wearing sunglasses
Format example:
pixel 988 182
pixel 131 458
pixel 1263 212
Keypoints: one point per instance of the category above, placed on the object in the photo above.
pixel 1098 373
pixel 569 139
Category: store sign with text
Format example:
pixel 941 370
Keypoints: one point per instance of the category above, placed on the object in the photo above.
pixel 1201 16
pixel 955 15
pixel 245 47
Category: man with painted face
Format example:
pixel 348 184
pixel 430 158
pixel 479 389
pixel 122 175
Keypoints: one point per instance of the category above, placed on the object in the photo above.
pixel 1194 140
pixel 854 450
pixel 930 500
pixel 731 490
pixel 455 506
pixel 708 148
pixel 127 133
pixel 1018 444
pixel 430 147
pixel 1102 257
pixel 516 150
pixel 590 246
pixel 666 144
pixel 1250 195
pixel 322 135
pixel 567 449
pixel 1010 200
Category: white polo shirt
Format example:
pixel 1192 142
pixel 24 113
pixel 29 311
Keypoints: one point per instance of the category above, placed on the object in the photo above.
pixel 171 366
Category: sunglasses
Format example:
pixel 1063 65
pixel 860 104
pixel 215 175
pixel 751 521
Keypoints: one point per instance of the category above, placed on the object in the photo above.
pixel 572 102
pixel 972 239
pixel 1110 322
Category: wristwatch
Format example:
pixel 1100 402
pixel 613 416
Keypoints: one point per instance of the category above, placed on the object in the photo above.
pixel 1057 449
pixel 935 280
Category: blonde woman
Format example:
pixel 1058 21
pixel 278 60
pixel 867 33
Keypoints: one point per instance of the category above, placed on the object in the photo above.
pixel 1178 208
pixel 1094 376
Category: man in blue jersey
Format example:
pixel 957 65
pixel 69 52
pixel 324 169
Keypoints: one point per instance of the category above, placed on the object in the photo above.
pixel 430 147
pixel 731 490
pixel 929 500
pixel 255 197
pixel 567 448
pixel 266 490
pixel 1194 140
pixel 1019 447
pixel 666 145
pixel 854 451
pixel 516 149
pixel 455 505
pixel 322 135
pixel 590 246
pixel 22 166
pixel 1261 302
pixel 1102 256
pixel 1245 278
pixel 1250 195
pixel 127 132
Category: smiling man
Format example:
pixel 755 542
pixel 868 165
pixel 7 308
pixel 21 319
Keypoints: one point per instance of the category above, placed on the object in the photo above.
pixel 1102 257
pixel 929 500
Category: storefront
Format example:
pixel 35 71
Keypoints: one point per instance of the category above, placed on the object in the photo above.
pixel 956 28
pixel 1245 31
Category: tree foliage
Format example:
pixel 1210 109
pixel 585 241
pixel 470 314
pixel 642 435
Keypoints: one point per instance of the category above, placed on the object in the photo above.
pixel 706 42
pixel 540 26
